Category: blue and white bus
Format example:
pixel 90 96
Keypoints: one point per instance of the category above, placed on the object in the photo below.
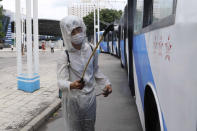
pixel 158 48
pixel 104 45
pixel 113 42
pixel 110 43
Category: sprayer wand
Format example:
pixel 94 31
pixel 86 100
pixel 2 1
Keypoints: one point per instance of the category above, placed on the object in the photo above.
pixel 109 28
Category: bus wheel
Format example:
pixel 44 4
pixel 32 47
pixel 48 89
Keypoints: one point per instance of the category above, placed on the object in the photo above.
pixel 152 122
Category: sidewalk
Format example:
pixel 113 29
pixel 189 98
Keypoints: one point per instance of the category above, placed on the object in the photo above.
pixel 7 52
pixel 18 108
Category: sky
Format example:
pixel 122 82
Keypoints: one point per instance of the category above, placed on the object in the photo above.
pixel 50 9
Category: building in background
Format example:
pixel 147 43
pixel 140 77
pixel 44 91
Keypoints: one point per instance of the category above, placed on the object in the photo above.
pixel 6 22
pixel 9 14
pixel 9 38
pixel 82 9
pixel 85 1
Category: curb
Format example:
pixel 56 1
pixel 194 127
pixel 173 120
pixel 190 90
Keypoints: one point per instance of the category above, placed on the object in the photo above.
pixel 36 122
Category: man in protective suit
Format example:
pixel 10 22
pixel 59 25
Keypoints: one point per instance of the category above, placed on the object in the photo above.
pixel 78 98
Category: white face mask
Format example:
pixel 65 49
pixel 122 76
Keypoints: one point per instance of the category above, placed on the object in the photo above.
pixel 78 38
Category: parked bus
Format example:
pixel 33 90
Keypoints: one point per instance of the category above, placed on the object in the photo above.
pixel 110 42
pixel 104 45
pixel 158 48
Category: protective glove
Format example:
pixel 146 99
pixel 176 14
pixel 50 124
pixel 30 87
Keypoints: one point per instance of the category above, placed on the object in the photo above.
pixel 107 90
pixel 77 85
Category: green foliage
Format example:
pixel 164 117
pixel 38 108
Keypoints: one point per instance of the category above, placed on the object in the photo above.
pixel 2 35
pixel 106 15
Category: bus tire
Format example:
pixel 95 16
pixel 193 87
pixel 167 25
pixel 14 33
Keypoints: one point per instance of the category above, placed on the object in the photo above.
pixel 151 113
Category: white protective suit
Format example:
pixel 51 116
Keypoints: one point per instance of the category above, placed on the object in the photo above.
pixel 79 106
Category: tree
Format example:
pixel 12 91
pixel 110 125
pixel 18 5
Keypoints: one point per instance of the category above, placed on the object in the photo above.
pixel 106 16
pixel 2 35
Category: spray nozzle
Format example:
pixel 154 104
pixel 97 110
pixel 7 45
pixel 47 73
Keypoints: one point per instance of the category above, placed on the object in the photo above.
pixel 109 28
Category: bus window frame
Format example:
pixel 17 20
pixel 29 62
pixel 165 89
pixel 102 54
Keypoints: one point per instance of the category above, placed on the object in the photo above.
pixel 164 22
pixel 147 13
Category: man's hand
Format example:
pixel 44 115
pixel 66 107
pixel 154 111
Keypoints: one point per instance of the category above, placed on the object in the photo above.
pixel 107 90
pixel 77 85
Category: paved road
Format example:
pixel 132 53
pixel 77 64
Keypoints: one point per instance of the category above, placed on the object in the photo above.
pixel 118 112
pixel 8 62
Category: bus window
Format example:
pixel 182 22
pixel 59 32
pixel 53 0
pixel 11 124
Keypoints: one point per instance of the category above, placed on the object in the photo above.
pixel 138 16
pixel 148 12
pixel 162 9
